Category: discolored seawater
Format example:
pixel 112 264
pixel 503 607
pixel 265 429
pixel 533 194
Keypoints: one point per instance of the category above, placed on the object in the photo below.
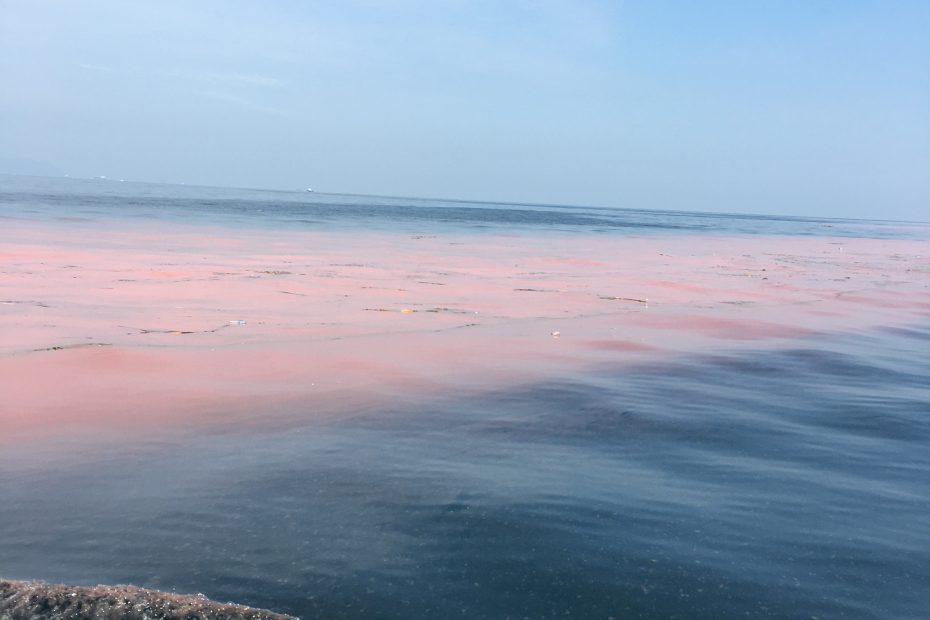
pixel 768 482
pixel 784 484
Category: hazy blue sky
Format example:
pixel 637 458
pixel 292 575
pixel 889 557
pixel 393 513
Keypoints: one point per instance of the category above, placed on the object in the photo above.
pixel 771 106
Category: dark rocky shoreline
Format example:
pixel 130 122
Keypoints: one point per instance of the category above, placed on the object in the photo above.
pixel 36 600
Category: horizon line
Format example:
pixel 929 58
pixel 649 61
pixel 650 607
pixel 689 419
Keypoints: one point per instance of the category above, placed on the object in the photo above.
pixel 473 201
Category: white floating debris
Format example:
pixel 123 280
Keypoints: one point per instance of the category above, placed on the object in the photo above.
pixel 237 322
pixel 555 334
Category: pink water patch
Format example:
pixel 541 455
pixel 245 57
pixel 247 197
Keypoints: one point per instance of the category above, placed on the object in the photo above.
pixel 727 328
pixel 191 326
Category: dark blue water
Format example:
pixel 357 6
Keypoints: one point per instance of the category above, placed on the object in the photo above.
pixel 785 483
pixel 105 200
pixel 782 484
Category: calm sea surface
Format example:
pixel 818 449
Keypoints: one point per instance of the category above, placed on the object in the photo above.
pixel 788 483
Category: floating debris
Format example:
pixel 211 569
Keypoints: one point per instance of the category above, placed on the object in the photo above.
pixel 614 298
pixel 80 345
pixel 181 332
pixel 436 310
pixel 30 302
pixel 450 311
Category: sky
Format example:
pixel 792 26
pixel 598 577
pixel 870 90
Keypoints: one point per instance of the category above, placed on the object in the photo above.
pixel 812 107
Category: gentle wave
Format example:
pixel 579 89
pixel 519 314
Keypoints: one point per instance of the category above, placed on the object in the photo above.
pixel 781 483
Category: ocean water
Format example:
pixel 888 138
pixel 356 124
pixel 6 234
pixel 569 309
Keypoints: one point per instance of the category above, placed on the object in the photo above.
pixel 788 482
pixel 102 201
